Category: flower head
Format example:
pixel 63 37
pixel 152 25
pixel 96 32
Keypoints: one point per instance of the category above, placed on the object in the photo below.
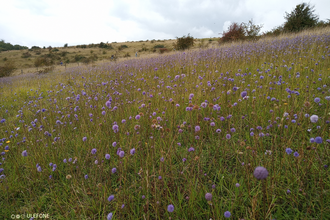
pixel 318 140
pixel 93 151
pixel 109 216
pixel 260 173
pixel 208 196
pixel 24 153
pixel 107 156
pixel 227 214
pixel 110 198
pixel 170 208
pixel 288 150
pixel 314 118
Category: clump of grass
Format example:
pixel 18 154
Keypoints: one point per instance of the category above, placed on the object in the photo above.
pixel 177 136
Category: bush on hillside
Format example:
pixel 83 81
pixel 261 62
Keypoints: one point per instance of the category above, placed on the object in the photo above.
pixel 7 69
pixel 234 32
pixel 184 42
pixel 26 55
pixel 159 46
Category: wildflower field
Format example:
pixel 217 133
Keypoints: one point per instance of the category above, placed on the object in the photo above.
pixel 237 131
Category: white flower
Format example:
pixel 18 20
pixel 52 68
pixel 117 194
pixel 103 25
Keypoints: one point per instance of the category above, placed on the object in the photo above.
pixel 314 118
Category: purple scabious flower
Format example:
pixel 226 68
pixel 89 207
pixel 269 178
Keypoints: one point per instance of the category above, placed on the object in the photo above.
pixel 132 151
pixel 233 130
pixel 296 154
pixel 107 156
pixel 243 94
pixel 218 130
pixel 228 136
pixel 137 117
pixel 197 128
pixel 109 216
pixel 64 161
pixel 114 170
pixel 110 198
pixel 114 144
pixel 288 150
pixel 288 191
pixel 86 177
pixel 260 173
pixel 312 140
pixel 191 149
pixel 108 104
pixel 39 169
pixel 227 214
pixel 208 196
pixel 121 154
pixel 318 140
pixel 170 208
pixel 84 139
pixel 93 151
pixel 115 127
pixel 317 100
pixel 24 153
pixel 237 185
pixel 212 124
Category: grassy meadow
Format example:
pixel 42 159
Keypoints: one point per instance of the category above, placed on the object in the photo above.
pixel 24 60
pixel 233 131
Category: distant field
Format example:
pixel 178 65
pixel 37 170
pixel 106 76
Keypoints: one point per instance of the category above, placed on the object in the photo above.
pixel 66 55
pixel 231 131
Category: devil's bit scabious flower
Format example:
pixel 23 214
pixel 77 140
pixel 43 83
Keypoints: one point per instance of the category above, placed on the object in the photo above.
pixel 109 216
pixel 170 208
pixel 260 173
pixel 93 151
pixel 24 153
pixel 208 196
pixel 227 214
pixel 318 140
pixel 288 150
pixel 110 198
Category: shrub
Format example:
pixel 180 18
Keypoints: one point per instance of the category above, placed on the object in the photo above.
pixel 184 42
pixel 127 55
pixel 7 69
pixel 235 32
pixel 43 61
pixel 79 57
pixel 163 50
pixel 159 46
pixel 26 55
pixel 64 53
pixel 66 45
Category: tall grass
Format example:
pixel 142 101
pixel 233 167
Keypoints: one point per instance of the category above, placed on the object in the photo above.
pixel 186 129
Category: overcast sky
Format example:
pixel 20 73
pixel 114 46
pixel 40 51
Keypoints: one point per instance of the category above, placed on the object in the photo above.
pixel 56 22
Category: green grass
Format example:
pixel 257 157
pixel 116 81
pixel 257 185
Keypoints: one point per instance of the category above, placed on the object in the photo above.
pixel 173 164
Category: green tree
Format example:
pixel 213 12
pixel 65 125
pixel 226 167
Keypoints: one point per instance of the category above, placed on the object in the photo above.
pixel 300 18
pixel 251 30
